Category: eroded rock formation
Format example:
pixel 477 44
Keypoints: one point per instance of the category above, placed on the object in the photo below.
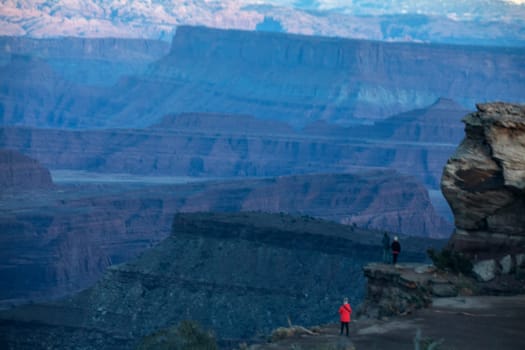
pixel 484 183
pixel 18 171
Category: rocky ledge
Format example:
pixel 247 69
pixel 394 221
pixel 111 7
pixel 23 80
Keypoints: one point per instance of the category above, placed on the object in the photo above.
pixel 403 288
pixel 484 183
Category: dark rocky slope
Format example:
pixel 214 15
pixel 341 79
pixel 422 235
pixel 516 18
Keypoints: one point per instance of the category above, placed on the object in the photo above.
pixel 19 172
pixel 57 242
pixel 238 274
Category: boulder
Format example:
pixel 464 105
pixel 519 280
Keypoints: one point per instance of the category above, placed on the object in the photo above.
pixel 485 270
pixel 506 264
pixel 520 260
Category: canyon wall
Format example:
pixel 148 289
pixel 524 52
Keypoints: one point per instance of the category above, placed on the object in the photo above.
pixel 298 79
pixel 416 143
pixel 301 79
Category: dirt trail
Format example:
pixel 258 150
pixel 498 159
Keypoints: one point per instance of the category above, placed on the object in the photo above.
pixel 462 323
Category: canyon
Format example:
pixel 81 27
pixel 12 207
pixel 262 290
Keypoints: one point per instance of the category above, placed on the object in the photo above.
pixel 292 267
pixel 292 78
pixel 257 126
pixel 130 301
pixel 226 146
pixel 59 240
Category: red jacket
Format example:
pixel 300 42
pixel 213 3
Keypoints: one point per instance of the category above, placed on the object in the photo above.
pixel 345 311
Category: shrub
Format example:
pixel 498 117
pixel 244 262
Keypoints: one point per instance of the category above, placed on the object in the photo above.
pixel 186 336
pixel 452 261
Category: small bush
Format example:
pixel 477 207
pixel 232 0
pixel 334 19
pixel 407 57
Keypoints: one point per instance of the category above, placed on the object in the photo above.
pixel 186 336
pixel 448 260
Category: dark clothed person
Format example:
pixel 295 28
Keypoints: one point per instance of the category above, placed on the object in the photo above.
pixel 396 249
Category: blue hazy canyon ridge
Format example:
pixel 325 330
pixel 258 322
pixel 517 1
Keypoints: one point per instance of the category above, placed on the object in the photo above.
pixel 148 147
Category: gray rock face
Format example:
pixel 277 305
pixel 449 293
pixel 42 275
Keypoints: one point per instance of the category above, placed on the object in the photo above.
pixel 507 264
pixel 484 182
pixel 19 172
pixel 520 260
pixel 485 270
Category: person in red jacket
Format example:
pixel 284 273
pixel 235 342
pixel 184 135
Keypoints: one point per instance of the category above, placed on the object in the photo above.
pixel 345 311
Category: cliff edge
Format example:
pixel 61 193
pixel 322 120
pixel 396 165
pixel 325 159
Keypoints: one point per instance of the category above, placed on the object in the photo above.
pixel 484 184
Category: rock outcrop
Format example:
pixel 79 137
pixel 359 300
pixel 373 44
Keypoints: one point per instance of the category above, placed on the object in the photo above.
pixel 401 289
pixel 241 275
pixel 484 183
pixel 404 288
pixel 19 172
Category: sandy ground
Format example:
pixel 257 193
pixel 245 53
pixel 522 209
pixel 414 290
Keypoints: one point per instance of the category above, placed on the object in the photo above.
pixel 462 323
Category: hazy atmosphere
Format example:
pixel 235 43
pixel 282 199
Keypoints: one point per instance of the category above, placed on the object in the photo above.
pixel 209 174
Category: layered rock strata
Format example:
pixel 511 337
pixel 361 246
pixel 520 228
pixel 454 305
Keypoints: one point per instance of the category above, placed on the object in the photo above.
pixel 218 145
pixel 484 183
pixel 297 79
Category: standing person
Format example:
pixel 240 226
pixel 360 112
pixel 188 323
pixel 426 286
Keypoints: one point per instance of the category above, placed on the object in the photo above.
pixel 345 311
pixel 386 248
pixel 396 249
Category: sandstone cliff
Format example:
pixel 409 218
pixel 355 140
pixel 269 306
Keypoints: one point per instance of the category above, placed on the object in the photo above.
pixel 484 183
pixel 302 79
pixel 19 172
pixel 298 79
